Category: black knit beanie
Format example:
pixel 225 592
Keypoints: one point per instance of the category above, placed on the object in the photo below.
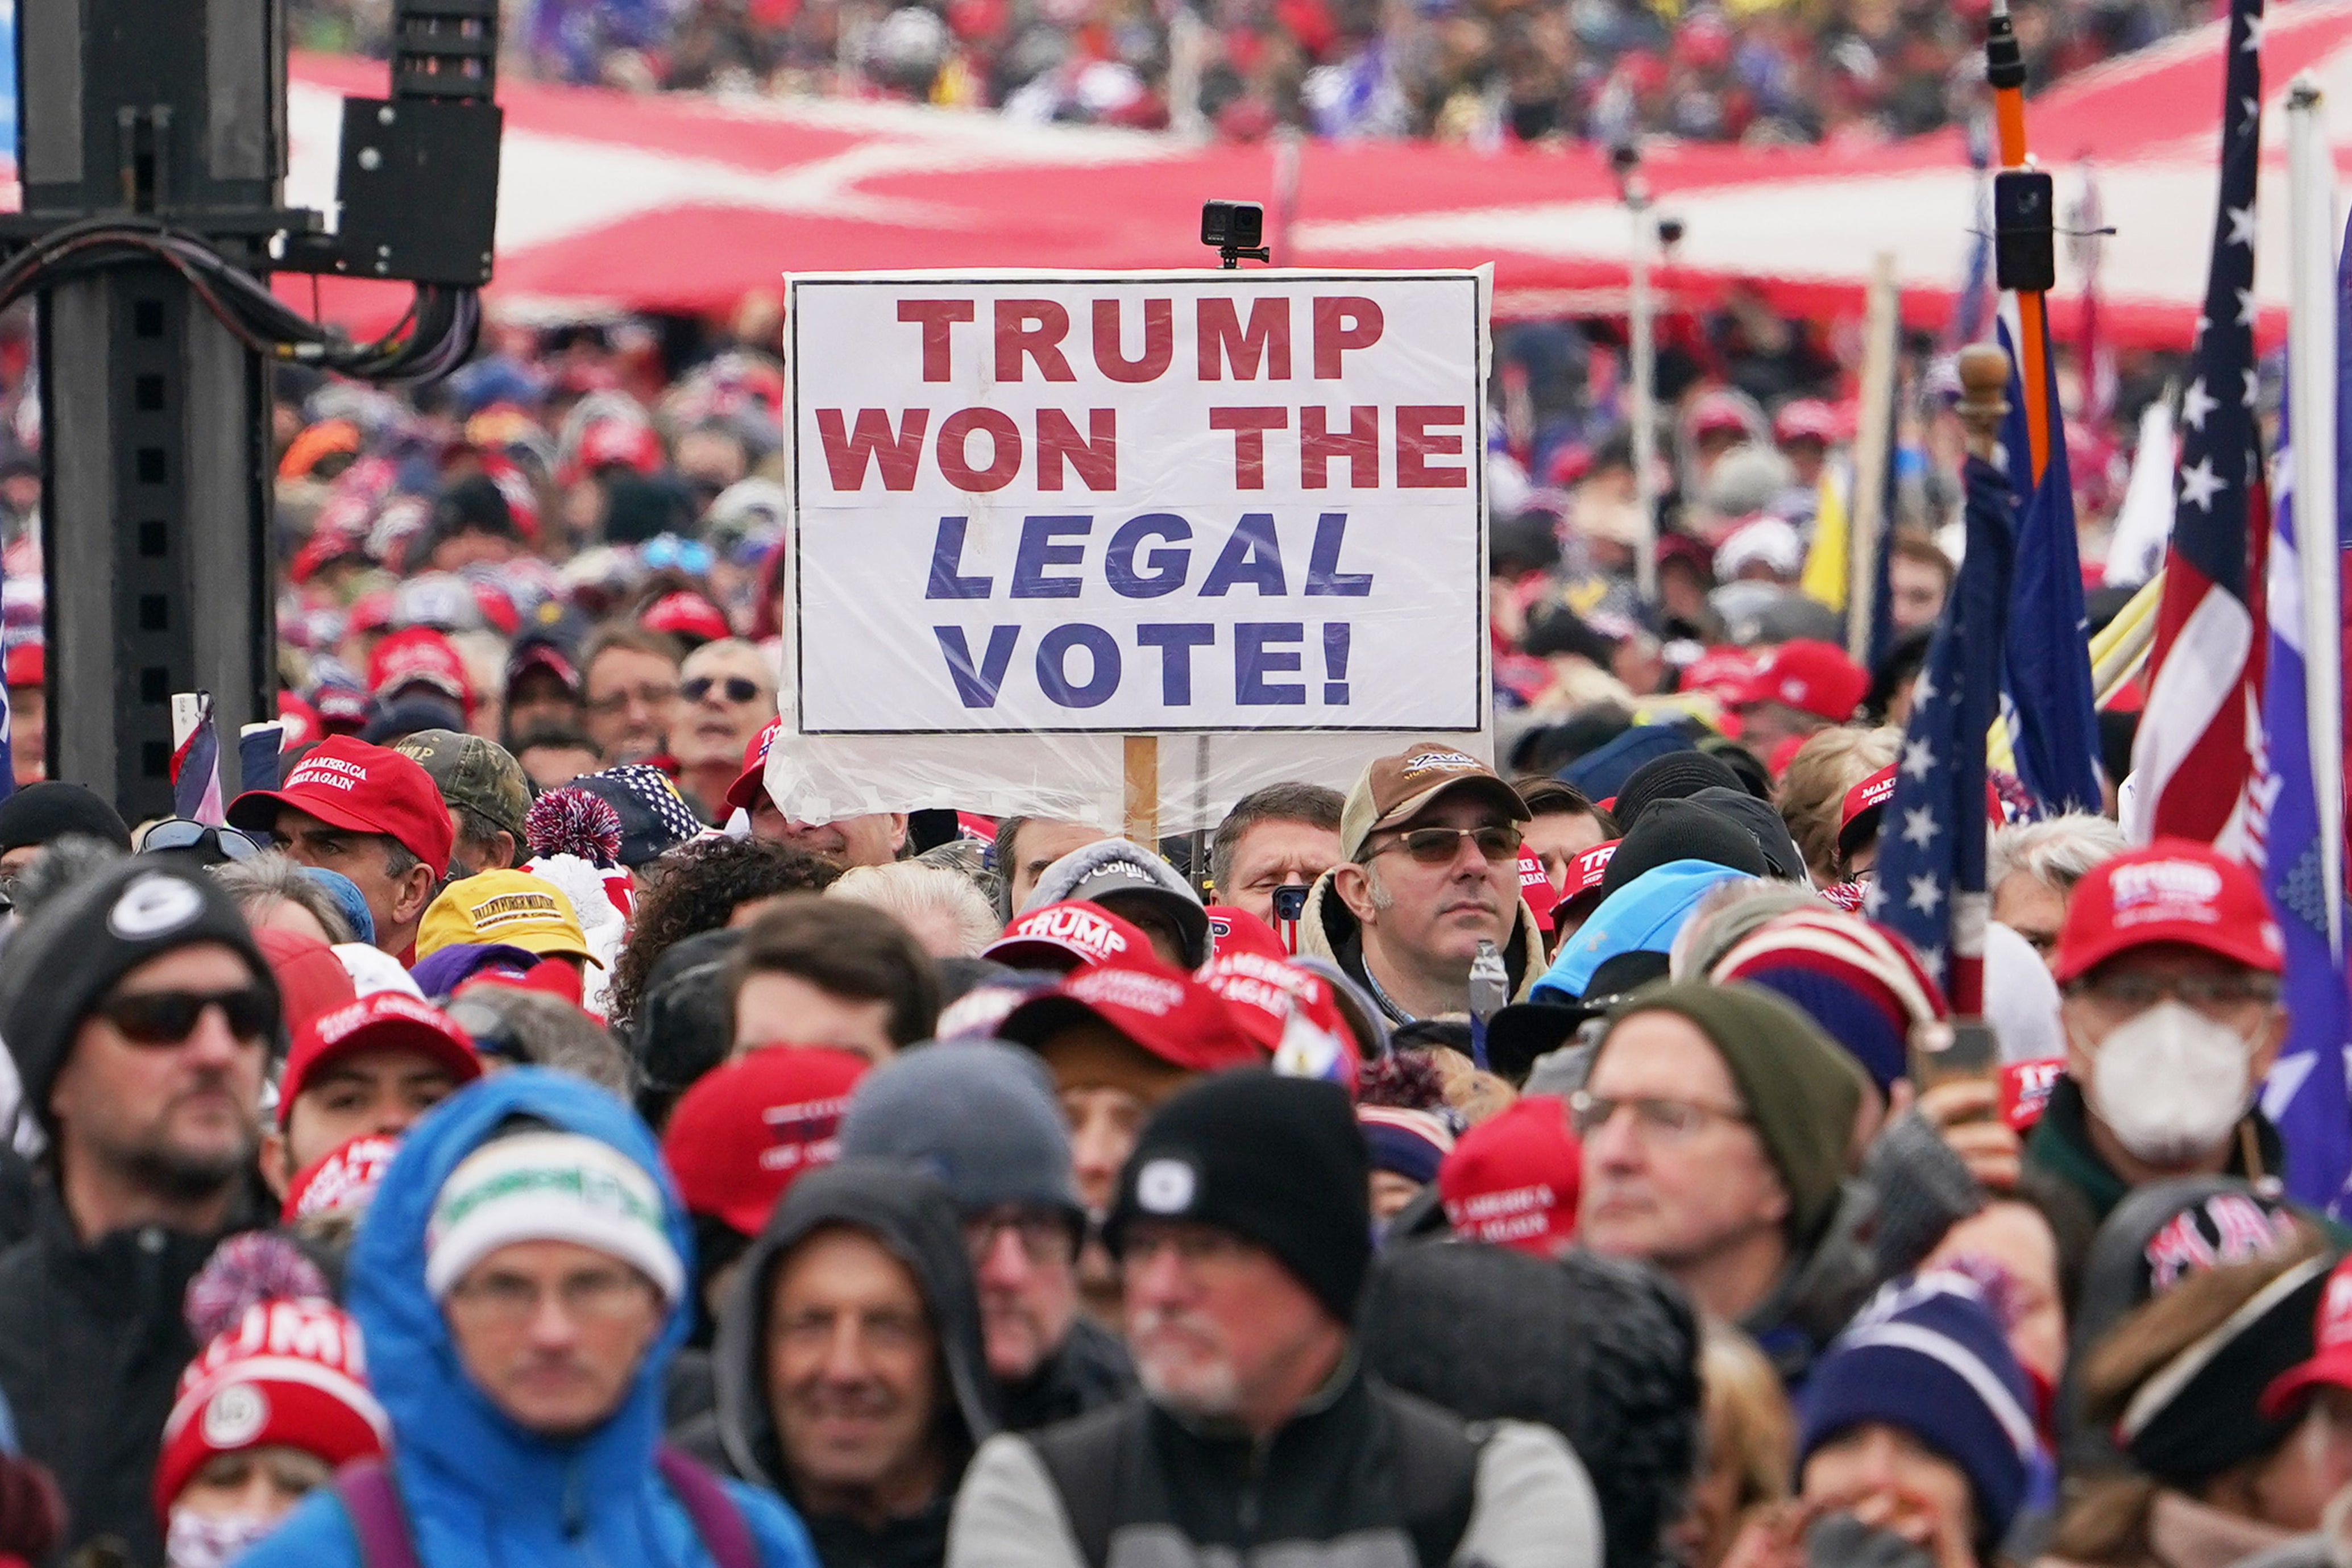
pixel 1673 830
pixel 88 937
pixel 40 813
pixel 1677 775
pixel 1276 1161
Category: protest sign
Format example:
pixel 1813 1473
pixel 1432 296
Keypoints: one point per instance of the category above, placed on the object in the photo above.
pixel 1183 502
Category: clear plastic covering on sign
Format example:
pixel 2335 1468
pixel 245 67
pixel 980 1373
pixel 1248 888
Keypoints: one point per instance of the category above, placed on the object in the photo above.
pixel 1035 515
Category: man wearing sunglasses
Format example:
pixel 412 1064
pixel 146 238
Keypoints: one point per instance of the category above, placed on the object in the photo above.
pixel 726 693
pixel 1430 846
pixel 141 1017
pixel 2170 964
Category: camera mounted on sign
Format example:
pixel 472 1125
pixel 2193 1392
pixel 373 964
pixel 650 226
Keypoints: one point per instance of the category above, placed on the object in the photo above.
pixel 1237 229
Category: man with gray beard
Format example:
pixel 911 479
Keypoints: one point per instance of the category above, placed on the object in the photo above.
pixel 142 1018
pixel 1244 1226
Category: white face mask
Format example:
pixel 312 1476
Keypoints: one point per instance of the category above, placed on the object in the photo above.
pixel 2171 1082
pixel 196 1540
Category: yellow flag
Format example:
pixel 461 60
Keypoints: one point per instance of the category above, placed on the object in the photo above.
pixel 1826 573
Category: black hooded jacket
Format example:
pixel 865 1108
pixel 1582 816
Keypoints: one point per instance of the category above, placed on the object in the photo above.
pixel 913 1217
pixel 93 1338
pixel 1091 1370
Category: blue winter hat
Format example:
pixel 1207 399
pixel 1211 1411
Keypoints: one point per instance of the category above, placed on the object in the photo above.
pixel 347 899
pixel 1643 916
pixel 1602 774
pixel 1927 1356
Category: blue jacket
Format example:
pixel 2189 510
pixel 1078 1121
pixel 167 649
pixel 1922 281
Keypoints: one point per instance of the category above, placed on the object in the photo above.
pixel 481 1492
pixel 1643 916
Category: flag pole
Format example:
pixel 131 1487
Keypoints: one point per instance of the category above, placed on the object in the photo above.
pixel 1641 345
pixel 2005 71
pixel 1984 383
pixel 1872 454
pixel 2312 372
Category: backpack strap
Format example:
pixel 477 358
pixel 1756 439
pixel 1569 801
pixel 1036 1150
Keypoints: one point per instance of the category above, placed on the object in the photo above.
pixel 1082 1458
pixel 372 1501
pixel 369 1497
pixel 725 1533
pixel 1437 1472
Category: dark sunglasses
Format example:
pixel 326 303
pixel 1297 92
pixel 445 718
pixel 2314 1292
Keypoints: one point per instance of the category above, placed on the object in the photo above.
pixel 737 689
pixel 168 1017
pixel 216 844
pixel 1438 845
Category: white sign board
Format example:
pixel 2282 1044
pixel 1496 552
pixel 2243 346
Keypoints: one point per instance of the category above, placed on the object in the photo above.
pixel 1201 501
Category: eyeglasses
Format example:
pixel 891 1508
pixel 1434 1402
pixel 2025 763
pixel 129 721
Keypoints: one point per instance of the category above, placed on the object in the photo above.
pixel 1668 1120
pixel 2130 992
pixel 1438 845
pixel 735 687
pixel 509 1300
pixel 1045 1238
pixel 180 833
pixel 650 696
pixel 169 1017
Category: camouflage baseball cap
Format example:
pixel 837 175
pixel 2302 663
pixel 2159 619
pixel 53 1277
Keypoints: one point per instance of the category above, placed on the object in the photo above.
pixel 474 774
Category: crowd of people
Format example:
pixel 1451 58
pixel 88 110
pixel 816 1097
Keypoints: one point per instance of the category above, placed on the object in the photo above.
pixel 1846 71
pixel 517 1134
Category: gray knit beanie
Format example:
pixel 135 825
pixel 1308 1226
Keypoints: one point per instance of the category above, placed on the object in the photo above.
pixel 977 1116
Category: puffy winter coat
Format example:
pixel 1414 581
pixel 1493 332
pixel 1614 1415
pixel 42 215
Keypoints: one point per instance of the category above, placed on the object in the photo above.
pixel 481 1492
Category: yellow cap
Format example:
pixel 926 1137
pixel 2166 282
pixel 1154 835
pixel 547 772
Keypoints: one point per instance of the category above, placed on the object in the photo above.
pixel 513 909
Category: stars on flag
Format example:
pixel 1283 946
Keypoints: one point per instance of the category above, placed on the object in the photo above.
pixel 2199 485
pixel 2196 403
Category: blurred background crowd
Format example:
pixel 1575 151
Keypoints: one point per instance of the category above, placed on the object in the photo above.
pixel 1485 71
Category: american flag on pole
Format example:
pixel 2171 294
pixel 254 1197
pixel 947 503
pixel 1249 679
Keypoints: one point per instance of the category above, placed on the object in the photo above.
pixel 1929 880
pixel 2193 761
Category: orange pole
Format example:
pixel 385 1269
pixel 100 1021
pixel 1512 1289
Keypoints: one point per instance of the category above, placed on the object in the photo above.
pixel 2009 123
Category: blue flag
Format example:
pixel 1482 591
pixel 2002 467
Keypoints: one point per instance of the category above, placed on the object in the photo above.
pixel 2051 702
pixel 257 748
pixel 1931 842
pixel 2307 1094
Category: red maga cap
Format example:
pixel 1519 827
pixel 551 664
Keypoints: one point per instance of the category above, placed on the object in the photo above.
pixel 1513 1179
pixel 1072 934
pixel 420 656
pixel 2173 890
pixel 1165 1013
pixel 754 778
pixel 1238 931
pixel 1811 677
pixel 350 784
pixel 382 1021
pixel 750 1127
